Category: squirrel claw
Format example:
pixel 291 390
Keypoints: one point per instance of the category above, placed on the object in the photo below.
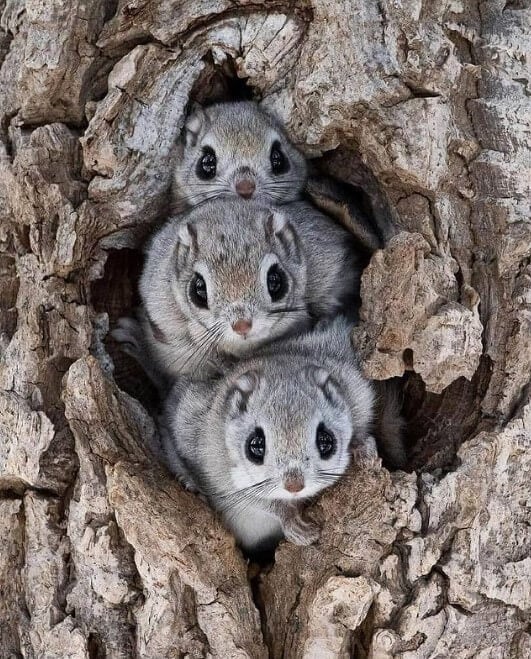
pixel 187 484
pixel 128 333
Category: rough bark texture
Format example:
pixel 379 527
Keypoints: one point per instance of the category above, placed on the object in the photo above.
pixel 426 104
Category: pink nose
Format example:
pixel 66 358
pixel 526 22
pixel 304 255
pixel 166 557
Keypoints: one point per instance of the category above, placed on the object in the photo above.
pixel 294 484
pixel 245 188
pixel 242 326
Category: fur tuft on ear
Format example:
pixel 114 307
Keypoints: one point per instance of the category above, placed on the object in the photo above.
pixel 279 230
pixel 324 380
pixel 186 244
pixel 194 124
pixel 240 392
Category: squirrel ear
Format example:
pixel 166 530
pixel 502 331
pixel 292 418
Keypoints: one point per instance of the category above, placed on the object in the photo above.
pixel 280 230
pixel 194 124
pixel 186 243
pixel 324 380
pixel 240 392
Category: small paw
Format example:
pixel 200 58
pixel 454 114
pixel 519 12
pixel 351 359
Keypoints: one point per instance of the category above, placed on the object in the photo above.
pixel 187 483
pixel 128 333
pixel 301 532
pixel 365 454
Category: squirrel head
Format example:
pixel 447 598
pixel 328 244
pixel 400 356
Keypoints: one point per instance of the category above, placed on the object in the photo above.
pixel 236 150
pixel 239 276
pixel 288 427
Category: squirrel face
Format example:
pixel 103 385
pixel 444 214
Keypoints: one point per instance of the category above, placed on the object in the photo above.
pixel 288 431
pixel 240 276
pixel 235 149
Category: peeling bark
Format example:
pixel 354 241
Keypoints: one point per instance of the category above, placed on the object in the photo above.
pixel 424 105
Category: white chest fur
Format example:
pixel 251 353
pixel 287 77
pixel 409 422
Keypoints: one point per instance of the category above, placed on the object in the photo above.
pixel 254 527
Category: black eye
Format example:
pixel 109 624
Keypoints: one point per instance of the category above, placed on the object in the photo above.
pixel 279 162
pixel 255 446
pixel 198 291
pixel 206 165
pixel 277 284
pixel 326 442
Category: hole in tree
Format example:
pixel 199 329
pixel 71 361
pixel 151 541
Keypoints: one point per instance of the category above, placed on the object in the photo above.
pixel 9 285
pixel 361 187
pixel 220 82
pixel 110 9
pixel 116 294
pixel 436 425
pixel 95 647
pixel 408 359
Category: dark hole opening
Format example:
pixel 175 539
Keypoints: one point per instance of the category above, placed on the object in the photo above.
pixel 9 285
pixel 95 647
pixel 220 82
pixel 437 424
pixel 116 293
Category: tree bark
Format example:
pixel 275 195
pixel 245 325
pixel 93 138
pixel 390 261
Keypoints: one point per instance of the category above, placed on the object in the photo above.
pixel 424 104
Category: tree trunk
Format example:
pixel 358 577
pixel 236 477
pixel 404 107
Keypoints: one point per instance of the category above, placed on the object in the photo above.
pixel 424 104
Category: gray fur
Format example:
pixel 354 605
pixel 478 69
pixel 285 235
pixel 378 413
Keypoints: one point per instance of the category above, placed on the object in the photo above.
pixel 241 135
pixel 232 243
pixel 288 389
